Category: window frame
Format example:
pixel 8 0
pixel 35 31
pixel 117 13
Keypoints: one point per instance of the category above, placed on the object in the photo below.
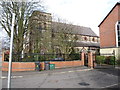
pixel 118 34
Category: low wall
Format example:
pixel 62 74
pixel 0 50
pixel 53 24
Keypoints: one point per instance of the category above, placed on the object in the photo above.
pixel 30 66
pixel 19 66
pixel 62 64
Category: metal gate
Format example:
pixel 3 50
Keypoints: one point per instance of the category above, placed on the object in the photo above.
pixel 104 61
pixel 86 59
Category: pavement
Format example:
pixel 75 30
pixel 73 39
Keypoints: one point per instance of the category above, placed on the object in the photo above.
pixel 58 70
pixel 74 77
pixel 117 67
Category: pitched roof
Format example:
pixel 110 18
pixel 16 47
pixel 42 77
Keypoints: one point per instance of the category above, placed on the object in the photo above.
pixel 83 31
pixel 86 44
pixel 78 30
pixel 118 3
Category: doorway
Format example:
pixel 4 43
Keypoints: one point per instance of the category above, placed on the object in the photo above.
pixel 86 59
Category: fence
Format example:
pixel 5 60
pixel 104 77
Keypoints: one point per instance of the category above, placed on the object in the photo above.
pixel 32 57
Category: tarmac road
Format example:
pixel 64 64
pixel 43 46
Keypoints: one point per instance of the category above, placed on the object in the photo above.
pixel 77 77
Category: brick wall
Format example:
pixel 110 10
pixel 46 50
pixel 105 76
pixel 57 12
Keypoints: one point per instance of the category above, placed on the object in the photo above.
pixel 30 66
pixel 119 12
pixel 63 64
pixel 90 59
pixel 19 66
pixel 107 29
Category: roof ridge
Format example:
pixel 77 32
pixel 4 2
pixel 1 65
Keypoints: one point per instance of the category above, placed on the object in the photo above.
pixel 71 24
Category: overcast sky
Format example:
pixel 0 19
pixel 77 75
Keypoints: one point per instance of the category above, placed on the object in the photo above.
pixel 87 13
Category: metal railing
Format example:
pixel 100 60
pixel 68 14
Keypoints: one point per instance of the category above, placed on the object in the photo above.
pixel 32 57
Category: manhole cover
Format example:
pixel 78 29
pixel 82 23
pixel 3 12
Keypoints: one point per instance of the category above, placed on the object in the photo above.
pixel 84 84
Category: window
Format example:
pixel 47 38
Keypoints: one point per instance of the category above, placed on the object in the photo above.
pixel 93 39
pixel 118 43
pixel 97 39
pixel 85 38
pixel 118 33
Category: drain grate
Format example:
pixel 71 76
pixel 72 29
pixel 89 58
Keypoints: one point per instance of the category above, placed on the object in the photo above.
pixel 84 84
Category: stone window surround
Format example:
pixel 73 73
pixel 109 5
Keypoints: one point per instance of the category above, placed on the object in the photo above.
pixel 117 23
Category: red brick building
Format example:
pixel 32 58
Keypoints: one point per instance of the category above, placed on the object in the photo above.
pixel 109 30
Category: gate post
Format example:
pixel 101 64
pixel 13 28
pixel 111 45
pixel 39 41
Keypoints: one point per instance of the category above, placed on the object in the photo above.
pixel 3 56
pixel 90 59
pixel 82 58
pixel 94 63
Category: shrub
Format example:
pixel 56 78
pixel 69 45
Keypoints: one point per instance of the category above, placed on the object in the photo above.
pixel 75 56
pixel 118 62
pixel 112 60
pixel 100 59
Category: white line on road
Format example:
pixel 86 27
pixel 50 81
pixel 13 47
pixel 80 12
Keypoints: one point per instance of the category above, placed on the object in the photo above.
pixel 111 85
pixel 84 70
pixel 17 76
pixel 62 72
pixel 72 71
pixel 3 77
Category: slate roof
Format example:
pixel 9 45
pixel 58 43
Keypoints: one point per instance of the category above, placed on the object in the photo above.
pixel 87 44
pixel 78 30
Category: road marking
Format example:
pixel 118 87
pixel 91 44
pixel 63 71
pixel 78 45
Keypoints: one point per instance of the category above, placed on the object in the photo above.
pixel 117 67
pixel 62 72
pixel 110 85
pixel 17 76
pixel 72 71
pixel 84 70
pixel 4 77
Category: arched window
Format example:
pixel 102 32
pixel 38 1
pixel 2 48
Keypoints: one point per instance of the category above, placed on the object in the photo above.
pixel 93 39
pixel 85 38
pixel 118 33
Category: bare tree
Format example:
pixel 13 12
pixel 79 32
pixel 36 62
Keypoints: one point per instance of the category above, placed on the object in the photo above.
pixel 5 43
pixel 64 39
pixel 22 12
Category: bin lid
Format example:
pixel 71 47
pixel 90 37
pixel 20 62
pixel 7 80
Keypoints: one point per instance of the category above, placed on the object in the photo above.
pixel 47 62
pixel 37 61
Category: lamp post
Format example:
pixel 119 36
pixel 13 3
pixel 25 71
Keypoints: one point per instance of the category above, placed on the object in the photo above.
pixel 10 56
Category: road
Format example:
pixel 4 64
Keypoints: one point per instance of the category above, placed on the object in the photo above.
pixel 79 77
